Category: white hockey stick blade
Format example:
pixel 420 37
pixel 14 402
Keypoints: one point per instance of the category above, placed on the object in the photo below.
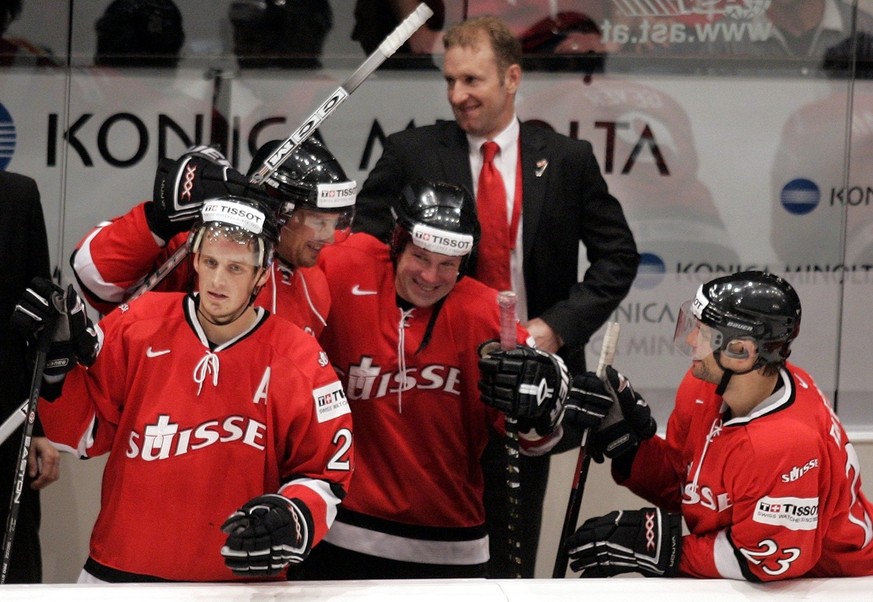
pixel 607 350
pixel 389 46
pixel 13 422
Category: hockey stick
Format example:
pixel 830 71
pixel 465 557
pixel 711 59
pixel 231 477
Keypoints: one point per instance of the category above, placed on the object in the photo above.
pixel 42 345
pixel 574 504
pixel 506 300
pixel 388 47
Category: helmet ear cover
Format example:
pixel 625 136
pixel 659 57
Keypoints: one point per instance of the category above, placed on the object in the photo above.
pixel 735 350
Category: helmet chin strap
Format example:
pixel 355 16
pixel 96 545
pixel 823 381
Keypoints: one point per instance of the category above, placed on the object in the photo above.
pixel 728 373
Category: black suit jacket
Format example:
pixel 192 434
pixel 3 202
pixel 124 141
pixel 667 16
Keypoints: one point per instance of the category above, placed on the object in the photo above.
pixel 24 254
pixel 565 200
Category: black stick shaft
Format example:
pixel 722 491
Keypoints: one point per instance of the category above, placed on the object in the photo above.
pixel 42 346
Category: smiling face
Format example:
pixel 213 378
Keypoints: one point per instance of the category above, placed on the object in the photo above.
pixel 307 232
pixel 482 96
pixel 227 274
pixel 424 277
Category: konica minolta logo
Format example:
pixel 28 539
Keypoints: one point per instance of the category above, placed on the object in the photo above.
pixel 800 196
pixel 651 271
pixel 7 137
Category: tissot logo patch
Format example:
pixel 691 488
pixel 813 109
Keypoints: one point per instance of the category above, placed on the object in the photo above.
pixel 795 513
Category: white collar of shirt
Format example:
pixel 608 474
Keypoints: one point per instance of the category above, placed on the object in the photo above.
pixel 506 160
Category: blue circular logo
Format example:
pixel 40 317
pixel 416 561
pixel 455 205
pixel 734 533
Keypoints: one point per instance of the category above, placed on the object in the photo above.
pixel 800 196
pixel 7 137
pixel 650 272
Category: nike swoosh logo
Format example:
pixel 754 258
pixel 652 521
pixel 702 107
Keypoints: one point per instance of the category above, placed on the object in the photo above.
pixel 356 290
pixel 151 353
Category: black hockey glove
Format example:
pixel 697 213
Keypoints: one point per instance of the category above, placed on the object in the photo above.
pixel 587 403
pixel 524 383
pixel 46 305
pixel 182 185
pixel 267 534
pixel 625 425
pixel 647 541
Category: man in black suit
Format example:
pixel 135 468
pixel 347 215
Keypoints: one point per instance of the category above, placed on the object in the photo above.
pixel 564 200
pixel 24 254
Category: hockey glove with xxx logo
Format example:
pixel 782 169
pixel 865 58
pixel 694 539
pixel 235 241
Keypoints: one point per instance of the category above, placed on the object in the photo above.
pixel 647 541
pixel 267 534
pixel 182 185
pixel 525 383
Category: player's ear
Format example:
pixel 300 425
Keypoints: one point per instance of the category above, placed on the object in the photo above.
pixel 263 278
pixel 512 78
pixel 741 350
pixel 195 261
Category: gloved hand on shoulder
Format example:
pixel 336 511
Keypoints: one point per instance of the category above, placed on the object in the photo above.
pixel 183 184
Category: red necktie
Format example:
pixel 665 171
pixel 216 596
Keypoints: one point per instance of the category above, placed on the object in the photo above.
pixel 492 267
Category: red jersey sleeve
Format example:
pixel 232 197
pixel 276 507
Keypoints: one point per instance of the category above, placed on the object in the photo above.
pixel 117 254
pixel 316 468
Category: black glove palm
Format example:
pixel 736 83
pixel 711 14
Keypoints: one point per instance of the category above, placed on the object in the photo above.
pixel 625 425
pixel 267 534
pixel 588 402
pixel 524 383
pixel 647 541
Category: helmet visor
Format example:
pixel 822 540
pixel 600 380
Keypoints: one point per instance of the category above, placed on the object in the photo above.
pixel 692 337
pixel 329 226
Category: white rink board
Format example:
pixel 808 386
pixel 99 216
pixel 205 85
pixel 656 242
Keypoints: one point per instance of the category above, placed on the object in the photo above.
pixel 570 590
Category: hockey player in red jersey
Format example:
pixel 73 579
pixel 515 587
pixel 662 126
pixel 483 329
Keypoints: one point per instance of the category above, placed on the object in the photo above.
pixel 755 459
pixel 229 436
pixel 316 201
pixel 404 337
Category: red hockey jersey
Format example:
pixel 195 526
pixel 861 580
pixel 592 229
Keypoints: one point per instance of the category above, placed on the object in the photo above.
pixel 772 495
pixel 420 425
pixel 117 254
pixel 194 432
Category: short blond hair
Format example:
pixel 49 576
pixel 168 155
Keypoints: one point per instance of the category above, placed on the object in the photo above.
pixel 469 33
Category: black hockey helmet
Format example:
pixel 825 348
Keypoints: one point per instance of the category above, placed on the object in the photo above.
pixel 311 177
pixel 243 220
pixel 436 216
pixel 144 33
pixel 753 305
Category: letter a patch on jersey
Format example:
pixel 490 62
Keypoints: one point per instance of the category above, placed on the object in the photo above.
pixel 330 401
pixel 263 388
